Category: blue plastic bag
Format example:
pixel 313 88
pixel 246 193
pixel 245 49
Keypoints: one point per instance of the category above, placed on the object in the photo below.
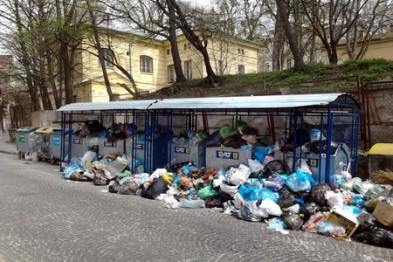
pixel 276 223
pixel 300 181
pixel 254 192
pixel 261 152
pixel 353 210
pixel 357 200
pixel 337 181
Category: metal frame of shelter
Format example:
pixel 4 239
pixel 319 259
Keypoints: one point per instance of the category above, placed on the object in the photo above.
pixel 331 112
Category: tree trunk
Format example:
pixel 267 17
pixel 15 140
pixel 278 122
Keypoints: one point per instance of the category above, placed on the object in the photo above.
pixel 297 56
pixel 194 39
pixel 67 72
pixel 52 82
pixel 278 45
pixel 180 78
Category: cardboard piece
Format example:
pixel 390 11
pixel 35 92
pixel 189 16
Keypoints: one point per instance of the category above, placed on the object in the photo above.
pixel 345 219
pixel 383 212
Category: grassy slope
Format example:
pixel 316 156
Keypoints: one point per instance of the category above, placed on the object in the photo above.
pixel 316 78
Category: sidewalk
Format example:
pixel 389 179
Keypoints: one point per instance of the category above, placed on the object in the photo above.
pixel 6 146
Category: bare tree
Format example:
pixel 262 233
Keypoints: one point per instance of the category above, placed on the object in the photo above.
pixel 373 19
pixel 198 40
pixel 332 20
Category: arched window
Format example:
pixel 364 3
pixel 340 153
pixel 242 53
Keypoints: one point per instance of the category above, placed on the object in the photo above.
pixel 146 64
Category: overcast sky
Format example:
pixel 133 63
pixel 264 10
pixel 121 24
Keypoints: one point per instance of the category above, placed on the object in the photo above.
pixel 200 2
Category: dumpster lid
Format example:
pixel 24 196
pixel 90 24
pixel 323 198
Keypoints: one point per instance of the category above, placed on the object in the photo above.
pixel 381 149
pixel 26 129
pixel 45 130
pixel 60 131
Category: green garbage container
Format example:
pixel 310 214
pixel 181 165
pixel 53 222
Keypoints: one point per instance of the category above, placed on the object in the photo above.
pixel 25 140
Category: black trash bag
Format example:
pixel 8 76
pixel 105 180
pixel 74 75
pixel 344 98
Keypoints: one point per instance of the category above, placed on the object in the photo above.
pixel 370 204
pixel 78 176
pixel 286 199
pixel 274 167
pixel 113 188
pixel 94 126
pixel 303 195
pixel 224 197
pixel 380 237
pixel 214 139
pixel 308 209
pixel 175 167
pixel 318 147
pixel 317 194
pixel 294 222
pixel 154 190
pixel 127 189
pixel 234 140
pixel 214 201
pixel 366 222
pixel 258 175
pixel 100 178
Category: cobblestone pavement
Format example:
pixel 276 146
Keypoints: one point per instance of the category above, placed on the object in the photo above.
pixel 46 218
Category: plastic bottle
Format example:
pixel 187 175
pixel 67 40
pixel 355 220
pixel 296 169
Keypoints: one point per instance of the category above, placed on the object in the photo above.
pixel 199 203
pixel 34 157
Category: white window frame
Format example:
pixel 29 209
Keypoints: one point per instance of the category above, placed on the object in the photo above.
pixel 146 64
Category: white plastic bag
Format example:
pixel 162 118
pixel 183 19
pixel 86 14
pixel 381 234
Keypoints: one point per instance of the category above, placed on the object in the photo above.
pixel 170 201
pixel 231 190
pixel 255 165
pixel 239 175
pixel 157 173
pixel 334 199
pixel 257 210
pixel 270 207
pixel 238 201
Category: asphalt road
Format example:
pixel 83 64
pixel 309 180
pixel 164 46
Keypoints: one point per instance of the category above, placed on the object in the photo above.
pixel 46 218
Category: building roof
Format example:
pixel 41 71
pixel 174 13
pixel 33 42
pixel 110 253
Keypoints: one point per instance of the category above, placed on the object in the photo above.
pixel 211 103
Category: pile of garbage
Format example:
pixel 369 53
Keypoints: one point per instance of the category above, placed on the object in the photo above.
pixel 346 208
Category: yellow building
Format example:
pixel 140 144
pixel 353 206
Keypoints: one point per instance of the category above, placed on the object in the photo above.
pixel 381 46
pixel 150 63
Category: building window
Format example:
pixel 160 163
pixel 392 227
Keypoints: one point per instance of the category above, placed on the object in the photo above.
pixel 146 64
pixel 289 63
pixel 189 45
pixel 168 52
pixel 267 66
pixel 108 56
pixel 220 67
pixel 241 69
pixel 188 69
pixel 171 74
pixel 185 46
pixel 242 51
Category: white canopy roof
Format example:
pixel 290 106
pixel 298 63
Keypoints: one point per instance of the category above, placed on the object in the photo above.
pixel 239 102
pixel 115 105
pixel 244 102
